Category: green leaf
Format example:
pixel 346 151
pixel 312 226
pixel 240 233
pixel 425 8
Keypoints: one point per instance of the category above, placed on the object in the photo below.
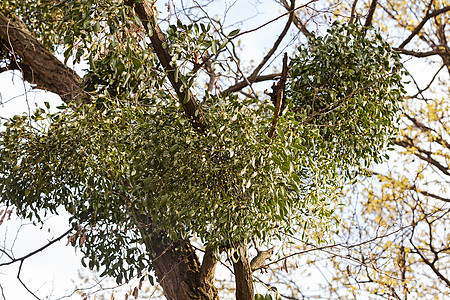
pixel 234 32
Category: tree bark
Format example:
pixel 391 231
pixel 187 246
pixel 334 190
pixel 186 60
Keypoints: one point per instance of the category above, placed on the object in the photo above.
pixel 244 276
pixel 38 65
pixel 179 273
pixel 177 266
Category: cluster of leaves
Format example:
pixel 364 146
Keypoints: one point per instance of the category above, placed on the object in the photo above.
pixel 345 89
pixel 107 167
pixel 131 152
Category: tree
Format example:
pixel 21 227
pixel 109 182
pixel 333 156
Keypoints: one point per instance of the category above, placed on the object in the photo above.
pixel 144 158
pixel 393 240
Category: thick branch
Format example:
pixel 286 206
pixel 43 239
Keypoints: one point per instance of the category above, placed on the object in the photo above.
pixel 369 18
pixel 422 54
pixel 37 64
pixel 145 13
pixel 353 13
pixel 421 24
pixel 207 273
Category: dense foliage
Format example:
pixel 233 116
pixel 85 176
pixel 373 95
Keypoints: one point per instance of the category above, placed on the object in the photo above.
pixel 344 88
pixel 130 151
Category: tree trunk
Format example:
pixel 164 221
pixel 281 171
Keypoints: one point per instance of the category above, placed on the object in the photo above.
pixel 244 276
pixel 177 266
pixel 179 273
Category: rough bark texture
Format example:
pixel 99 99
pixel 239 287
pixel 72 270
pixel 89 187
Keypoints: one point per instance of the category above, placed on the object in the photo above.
pixel 178 269
pixel 207 274
pixel 244 276
pixel 38 65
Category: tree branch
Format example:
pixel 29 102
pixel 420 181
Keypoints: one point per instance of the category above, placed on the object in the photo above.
pixel 242 84
pixel 423 127
pixel 273 20
pixel 369 18
pixel 37 64
pixel 276 44
pixel 421 54
pixel 147 16
pixel 23 284
pixel 431 265
pixel 21 259
pixel 207 271
pixel 424 155
pixel 428 16
pixel 254 76
pixel 297 21
pixel 431 195
pixel 353 12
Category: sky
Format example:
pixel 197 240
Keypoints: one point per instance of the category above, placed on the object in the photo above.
pixel 51 273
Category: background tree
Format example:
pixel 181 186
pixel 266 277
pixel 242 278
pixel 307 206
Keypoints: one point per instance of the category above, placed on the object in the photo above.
pixel 393 240
pixel 145 158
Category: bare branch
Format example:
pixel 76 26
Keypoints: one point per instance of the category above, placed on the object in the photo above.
pixel 430 264
pixel 423 155
pixel 21 259
pixel 242 84
pixel 428 16
pixel 421 54
pixel 273 20
pixel 23 284
pixel 353 13
pixel 428 194
pixel 423 127
pixel 276 44
pixel 299 23
pixel 369 18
